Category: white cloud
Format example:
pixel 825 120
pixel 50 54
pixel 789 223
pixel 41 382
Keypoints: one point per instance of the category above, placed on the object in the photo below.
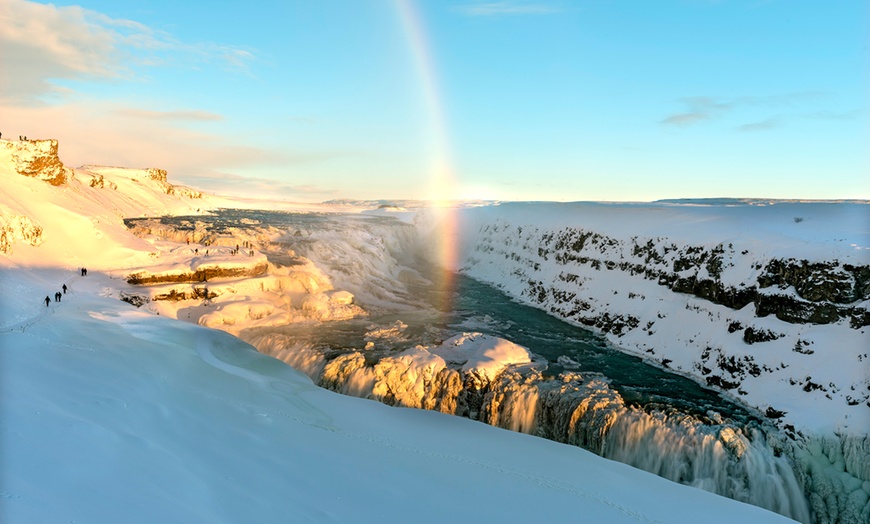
pixel 835 115
pixel 250 186
pixel 182 115
pixel 44 43
pixel 761 125
pixel 103 133
pixel 98 132
pixel 700 109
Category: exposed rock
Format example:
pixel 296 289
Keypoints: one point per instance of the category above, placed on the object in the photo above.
pixel 156 174
pixel 159 178
pixel 818 281
pixel 200 275
pixel 38 159
pixel 15 227
pixel 136 299
pixel 99 181
pixel 752 335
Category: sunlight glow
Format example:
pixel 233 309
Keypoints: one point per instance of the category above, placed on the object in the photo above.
pixel 441 189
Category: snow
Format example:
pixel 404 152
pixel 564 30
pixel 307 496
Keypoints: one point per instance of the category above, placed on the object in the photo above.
pixel 114 414
pixel 485 354
pixel 515 245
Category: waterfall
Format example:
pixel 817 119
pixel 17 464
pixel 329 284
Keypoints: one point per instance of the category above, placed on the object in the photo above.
pixel 819 479
pixel 708 453
pixel 731 461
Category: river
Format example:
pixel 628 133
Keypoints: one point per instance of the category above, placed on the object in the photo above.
pixel 579 389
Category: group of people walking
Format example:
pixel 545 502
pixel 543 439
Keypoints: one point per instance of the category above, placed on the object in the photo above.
pixel 59 295
pixel 232 251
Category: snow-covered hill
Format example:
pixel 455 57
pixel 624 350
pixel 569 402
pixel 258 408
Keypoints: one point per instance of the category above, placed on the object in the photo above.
pixel 76 215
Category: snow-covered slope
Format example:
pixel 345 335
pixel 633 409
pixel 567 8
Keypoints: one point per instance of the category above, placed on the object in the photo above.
pixel 75 216
pixel 111 414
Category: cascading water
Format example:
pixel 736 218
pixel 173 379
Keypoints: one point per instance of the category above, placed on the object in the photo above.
pixel 718 455
pixel 617 406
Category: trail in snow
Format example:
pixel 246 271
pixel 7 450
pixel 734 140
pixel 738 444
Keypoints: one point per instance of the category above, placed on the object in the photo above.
pixel 23 325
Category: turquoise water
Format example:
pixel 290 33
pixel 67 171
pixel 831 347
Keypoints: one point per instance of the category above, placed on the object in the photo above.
pixel 657 421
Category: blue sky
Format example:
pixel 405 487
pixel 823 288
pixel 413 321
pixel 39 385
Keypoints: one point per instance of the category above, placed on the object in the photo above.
pixel 514 100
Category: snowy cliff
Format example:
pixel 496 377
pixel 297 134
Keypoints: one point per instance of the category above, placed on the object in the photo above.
pixel 51 212
pixel 767 301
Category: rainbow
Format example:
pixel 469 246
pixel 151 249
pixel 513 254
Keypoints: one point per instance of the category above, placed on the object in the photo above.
pixel 442 185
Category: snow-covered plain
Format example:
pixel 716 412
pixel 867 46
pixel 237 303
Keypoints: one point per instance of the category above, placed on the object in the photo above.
pixel 90 359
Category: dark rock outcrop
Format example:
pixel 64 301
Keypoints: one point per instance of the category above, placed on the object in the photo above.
pixel 143 278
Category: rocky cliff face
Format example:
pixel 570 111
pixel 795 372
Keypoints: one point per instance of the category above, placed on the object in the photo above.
pixel 14 228
pixel 782 328
pixel 795 291
pixel 37 158
pixel 732 318
pixel 158 176
pixel 152 176
pixel 200 274
pixel 49 205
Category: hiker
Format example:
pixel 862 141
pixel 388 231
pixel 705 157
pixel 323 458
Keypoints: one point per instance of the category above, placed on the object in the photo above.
pixel 83 271
pixel 57 296
pixel 196 251
pixel 47 301
pixel 64 289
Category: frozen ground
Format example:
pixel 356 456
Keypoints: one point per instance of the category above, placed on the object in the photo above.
pixel 115 415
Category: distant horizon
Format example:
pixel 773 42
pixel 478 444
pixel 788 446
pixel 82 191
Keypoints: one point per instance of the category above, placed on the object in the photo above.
pixel 513 100
pixel 351 200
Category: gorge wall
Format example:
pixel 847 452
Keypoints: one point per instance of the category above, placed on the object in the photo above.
pixel 736 311
pixel 740 298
